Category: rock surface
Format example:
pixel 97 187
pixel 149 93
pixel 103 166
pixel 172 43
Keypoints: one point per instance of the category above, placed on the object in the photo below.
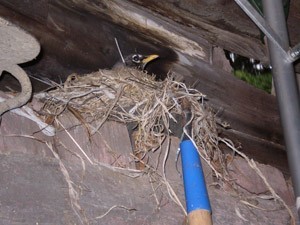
pixel 39 186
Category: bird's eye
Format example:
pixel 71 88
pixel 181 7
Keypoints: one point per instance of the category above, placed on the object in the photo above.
pixel 136 58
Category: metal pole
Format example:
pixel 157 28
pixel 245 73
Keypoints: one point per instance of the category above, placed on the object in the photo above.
pixel 262 24
pixel 286 90
pixel 290 55
pixel 295 52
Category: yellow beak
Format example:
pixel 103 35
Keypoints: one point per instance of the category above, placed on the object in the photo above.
pixel 148 59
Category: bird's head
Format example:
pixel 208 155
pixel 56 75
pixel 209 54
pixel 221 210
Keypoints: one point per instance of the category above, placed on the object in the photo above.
pixel 139 61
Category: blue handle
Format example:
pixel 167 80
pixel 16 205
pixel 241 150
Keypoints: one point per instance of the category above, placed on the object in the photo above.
pixel 194 183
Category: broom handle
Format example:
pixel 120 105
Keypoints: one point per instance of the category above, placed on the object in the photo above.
pixel 199 217
pixel 196 195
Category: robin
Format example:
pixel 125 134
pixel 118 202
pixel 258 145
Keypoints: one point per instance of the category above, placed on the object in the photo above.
pixel 138 61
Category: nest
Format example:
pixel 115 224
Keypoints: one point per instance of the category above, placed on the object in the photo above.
pixel 133 97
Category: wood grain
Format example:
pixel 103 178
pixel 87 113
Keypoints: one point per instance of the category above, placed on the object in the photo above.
pixel 79 35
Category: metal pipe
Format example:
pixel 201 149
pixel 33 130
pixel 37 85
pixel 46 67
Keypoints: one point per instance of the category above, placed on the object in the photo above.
pixel 295 52
pixel 262 24
pixel 290 55
pixel 286 90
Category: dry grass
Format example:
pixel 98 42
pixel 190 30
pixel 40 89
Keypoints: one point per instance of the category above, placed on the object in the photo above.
pixel 128 95
pixel 131 96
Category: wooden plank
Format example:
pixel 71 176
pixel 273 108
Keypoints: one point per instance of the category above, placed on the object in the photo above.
pixel 221 25
pixel 252 114
pixel 246 108
pixel 36 10
pixel 84 40
pixel 155 28
pixel 82 35
pixel 272 154
pixel 224 24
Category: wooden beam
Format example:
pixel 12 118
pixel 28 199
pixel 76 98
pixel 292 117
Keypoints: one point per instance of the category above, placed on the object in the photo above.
pixel 80 34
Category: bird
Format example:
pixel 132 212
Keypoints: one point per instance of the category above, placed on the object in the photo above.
pixel 138 61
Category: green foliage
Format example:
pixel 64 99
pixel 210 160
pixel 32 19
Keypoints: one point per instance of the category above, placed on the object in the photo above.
pixel 262 81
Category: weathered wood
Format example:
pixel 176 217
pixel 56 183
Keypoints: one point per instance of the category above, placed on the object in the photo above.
pixel 191 35
pixel 224 24
pixel 80 36
pixel 267 152
pixel 84 41
pixel 220 23
pixel 252 114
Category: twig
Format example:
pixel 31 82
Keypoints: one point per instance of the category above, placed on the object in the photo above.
pixel 110 109
pixel 253 165
pixel 154 191
pixel 113 207
pixel 75 142
pixel 171 192
pixel 239 214
pixel 120 52
pixel 73 194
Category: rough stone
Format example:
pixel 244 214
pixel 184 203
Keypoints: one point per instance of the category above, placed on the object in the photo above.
pixel 249 180
pixel 37 188
pixel 110 145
